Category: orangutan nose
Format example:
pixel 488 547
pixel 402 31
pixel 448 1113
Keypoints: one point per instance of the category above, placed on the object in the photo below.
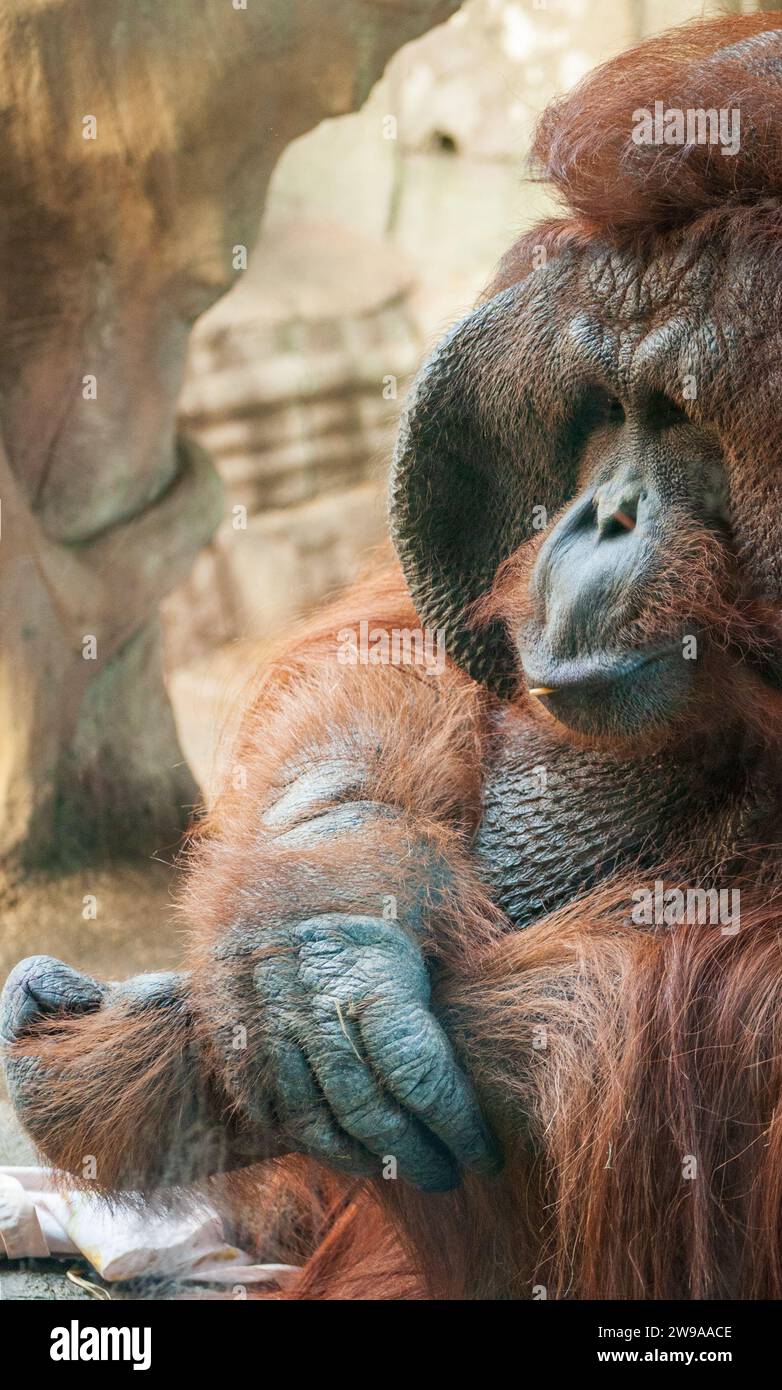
pixel 41 987
pixel 617 505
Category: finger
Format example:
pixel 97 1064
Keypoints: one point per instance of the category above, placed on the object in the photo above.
pixel 409 1050
pixel 301 1113
pixel 305 1119
pixel 364 1110
pixel 40 988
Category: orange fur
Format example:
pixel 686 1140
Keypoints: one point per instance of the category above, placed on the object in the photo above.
pixel 660 1047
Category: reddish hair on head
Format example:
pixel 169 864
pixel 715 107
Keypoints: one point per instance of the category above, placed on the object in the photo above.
pixel 622 188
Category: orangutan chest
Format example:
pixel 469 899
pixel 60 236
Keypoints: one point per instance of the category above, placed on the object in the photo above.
pixel 557 820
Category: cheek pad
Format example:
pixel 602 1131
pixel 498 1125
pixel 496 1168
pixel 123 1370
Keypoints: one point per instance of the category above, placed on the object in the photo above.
pixel 484 442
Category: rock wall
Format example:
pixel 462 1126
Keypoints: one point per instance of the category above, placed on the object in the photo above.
pixel 294 385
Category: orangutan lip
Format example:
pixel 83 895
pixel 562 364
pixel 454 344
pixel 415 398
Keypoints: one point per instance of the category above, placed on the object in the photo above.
pixel 592 674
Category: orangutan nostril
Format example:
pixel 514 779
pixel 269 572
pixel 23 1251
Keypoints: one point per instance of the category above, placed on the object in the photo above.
pixel 617 511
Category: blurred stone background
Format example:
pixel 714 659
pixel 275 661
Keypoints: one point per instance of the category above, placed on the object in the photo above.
pixel 380 230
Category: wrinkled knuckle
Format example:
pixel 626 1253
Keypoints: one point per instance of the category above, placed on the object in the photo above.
pixel 328 985
pixel 401 1052
pixel 266 975
pixel 382 1126
pixel 428 1085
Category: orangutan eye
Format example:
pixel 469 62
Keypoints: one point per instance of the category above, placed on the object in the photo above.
pixel 665 412
pixel 603 410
